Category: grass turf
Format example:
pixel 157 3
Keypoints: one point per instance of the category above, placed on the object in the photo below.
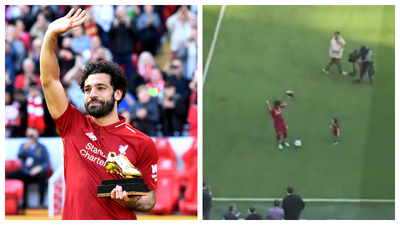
pixel 261 52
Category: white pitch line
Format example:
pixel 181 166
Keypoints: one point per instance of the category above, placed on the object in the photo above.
pixel 337 200
pixel 213 43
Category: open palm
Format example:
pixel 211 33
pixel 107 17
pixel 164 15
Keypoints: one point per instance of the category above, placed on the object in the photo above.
pixel 67 22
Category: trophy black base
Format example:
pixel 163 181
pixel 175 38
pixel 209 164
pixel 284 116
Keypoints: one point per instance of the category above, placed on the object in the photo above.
pixel 132 186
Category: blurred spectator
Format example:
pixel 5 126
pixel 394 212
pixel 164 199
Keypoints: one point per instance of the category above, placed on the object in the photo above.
pixel 188 55
pixel 17 46
pixel 146 63
pixel 253 215
pixel 23 80
pixel 80 41
pixel 173 110
pixel 35 163
pixel 104 16
pixel 49 11
pixel 71 81
pixel 145 112
pixel 232 214
pixel 13 121
pixel 156 83
pixel 90 26
pixel 89 54
pixel 127 103
pixel 179 27
pixel 39 27
pixel 192 114
pixel 148 24
pixel 275 213
pixel 10 61
pixel 23 35
pixel 35 108
pixel 175 74
pixel 34 53
pixel 123 35
pixel 66 56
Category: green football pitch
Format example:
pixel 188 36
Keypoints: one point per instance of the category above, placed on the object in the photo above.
pixel 262 51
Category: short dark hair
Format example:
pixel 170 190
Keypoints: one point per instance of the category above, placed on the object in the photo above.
pixel 204 184
pixel 277 202
pixel 337 32
pixel 335 120
pixel 169 83
pixel 277 103
pixel 290 190
pixel 118 78
pixel 231 207
pixel 252 209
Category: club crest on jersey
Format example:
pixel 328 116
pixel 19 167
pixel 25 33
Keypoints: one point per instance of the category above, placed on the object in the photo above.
pixel 122 149
pixel 91 136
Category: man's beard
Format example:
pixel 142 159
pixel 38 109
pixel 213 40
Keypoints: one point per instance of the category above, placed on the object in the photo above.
pixel 98 111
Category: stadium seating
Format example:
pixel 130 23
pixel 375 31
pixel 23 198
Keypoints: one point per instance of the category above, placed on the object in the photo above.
pixel 11 165
pixel 167 192
pixel 14 191
pixel 188 205
pixel 189 158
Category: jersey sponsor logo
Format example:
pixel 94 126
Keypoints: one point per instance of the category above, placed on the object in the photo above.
pixel 154 172
pixel 122 149
pixel 91 153
pixel 91 136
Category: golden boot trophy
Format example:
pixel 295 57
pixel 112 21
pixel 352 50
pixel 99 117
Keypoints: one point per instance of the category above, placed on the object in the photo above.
pixel 131 183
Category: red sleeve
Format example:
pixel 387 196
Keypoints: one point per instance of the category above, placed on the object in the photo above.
pixel 147 164
pixel 69 120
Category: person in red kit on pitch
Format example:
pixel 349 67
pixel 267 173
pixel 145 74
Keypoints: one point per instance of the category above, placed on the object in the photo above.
pixel 88 139
pixel 279 122
pixel 335 131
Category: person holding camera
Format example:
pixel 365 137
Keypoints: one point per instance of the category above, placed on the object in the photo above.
pixel 35 163
pixel 366 63
pixel 336 53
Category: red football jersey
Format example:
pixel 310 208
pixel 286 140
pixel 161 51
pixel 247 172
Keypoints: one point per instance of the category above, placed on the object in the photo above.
pixel 86 146
pixel 335 129
pixel 276 113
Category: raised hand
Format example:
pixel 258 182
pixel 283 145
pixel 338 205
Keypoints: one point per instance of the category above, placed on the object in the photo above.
pixel 67 22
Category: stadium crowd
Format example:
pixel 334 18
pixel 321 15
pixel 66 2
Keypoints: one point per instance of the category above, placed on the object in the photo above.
pixel 162 101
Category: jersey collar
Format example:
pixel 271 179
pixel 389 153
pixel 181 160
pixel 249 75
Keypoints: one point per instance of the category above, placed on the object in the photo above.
pixel 112 127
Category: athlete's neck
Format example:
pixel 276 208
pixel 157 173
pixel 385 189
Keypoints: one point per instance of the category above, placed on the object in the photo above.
pixel 107 120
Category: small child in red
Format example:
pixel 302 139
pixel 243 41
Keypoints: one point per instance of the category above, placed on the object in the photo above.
pixel 335 131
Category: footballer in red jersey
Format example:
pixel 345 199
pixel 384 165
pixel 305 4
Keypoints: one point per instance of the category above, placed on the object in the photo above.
pixel 279 122
pixel 87 139
pixel 335 131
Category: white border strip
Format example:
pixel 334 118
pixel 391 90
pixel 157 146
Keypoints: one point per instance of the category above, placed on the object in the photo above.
pixel 213 43
pixel 327 200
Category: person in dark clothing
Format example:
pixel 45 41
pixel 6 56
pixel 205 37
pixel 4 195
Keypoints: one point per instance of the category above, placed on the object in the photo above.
pixel 182 84
pixel 174 110
pixel 231 214
pixel 253 215
pixel 292 205
pixel 35 163
pixel 145 112
pixel 207 202
pixel 123 35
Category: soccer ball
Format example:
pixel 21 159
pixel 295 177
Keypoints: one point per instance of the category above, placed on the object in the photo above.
pixel 297 143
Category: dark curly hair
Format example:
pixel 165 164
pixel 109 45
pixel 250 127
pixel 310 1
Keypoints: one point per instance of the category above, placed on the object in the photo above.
pixel 118 78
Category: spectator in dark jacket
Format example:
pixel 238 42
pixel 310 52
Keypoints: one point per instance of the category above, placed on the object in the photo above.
pixel 173 110
pixel 253 215
pixel 292 205
pixel 123 35
pixel 35 163
pixel 145 112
